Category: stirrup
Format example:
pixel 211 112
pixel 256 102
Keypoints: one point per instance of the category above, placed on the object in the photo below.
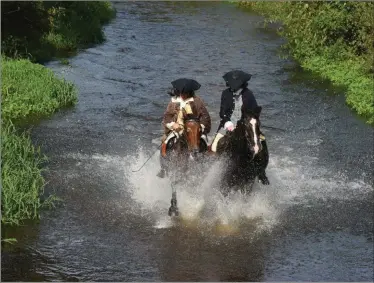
pixel 262 137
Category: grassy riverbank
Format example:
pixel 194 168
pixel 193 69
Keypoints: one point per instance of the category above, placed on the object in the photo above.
pixel 332 39
pixel 44 30
pixel 28 90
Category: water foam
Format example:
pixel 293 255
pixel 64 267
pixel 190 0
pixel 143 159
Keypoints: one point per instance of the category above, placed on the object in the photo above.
pixel 202 201
pixel 294 180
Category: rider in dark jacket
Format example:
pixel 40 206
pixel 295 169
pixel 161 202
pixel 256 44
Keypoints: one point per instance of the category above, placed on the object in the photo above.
pixel 233 104
pixel 228 103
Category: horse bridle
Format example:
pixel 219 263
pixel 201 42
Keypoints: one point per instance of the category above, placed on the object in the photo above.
pixel 183 132
pixel 191 120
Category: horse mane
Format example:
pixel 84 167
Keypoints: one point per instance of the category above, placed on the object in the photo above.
pixel 252 113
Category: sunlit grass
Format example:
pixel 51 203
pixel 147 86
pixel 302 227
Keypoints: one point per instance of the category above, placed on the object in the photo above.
pixel 332 39
pixel 32 89
pixel 21 175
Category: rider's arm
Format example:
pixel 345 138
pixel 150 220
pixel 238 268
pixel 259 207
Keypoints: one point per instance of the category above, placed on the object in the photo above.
pixel 204 117
pixel 226 107
pixel 169 115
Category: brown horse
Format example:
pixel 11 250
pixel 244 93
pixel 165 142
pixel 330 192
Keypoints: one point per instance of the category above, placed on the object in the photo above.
pixel 179 150
pixel 187 141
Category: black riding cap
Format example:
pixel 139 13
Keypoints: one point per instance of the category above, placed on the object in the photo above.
pixel 235 79
pixel 185 85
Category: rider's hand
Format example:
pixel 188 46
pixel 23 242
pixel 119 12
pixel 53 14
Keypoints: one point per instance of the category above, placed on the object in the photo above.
pixel 175 126
pixel 229 126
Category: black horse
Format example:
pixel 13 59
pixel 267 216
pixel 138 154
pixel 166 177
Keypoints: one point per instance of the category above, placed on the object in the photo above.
pixel 247 156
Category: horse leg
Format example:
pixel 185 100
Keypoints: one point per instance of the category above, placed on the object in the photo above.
pixel 264 154
pixel 248 176
pixel 180 166
pixel 226 182
pixel 173 209
pixel 163 171
pixel 261 163
pixel 174 180
pixel 246 188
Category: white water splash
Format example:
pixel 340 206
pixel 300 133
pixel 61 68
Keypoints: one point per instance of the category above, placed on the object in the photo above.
pixel 203 201
pixel 293 181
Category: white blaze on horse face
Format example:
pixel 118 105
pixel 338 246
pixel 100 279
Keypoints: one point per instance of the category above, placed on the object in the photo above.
pixel 253 123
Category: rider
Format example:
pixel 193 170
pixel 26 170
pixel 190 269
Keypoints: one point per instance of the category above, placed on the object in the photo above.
pixel 171 113
pixel 173 117
pixel 233 104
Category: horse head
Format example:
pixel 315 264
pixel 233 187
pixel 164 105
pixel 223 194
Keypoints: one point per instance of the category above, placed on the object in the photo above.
pixel 192 133
pixel 249 127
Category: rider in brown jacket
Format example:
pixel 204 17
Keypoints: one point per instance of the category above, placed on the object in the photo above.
pixel 172 119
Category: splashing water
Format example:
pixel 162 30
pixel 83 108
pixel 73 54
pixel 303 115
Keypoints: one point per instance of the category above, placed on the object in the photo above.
pixel 294 180
pixel 202 202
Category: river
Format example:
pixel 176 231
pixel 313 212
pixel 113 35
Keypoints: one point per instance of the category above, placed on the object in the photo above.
pixel 313 223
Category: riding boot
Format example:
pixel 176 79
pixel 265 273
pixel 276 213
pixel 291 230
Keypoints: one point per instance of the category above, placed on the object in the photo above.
pixel 213 146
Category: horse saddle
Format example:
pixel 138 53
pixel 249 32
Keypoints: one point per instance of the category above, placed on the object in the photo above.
pixel 169 142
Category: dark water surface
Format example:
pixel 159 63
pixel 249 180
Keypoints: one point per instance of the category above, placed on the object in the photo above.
pixel 313 223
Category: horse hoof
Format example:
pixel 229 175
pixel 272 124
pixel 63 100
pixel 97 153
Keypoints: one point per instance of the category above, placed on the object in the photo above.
pixel 173 211
pixel 161 174
pixel 264 181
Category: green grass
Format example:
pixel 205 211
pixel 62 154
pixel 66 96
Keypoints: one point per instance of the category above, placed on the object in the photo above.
pixel 22 181
pixel 59 28
pixel 10 241
pixel 29 90
pixel 32 89
pixel 360 87
pixel 332 39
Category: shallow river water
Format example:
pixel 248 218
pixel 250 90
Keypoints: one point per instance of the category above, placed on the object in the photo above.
pixel 313 223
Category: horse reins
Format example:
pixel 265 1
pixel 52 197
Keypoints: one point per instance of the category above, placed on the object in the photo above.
pixel 147 159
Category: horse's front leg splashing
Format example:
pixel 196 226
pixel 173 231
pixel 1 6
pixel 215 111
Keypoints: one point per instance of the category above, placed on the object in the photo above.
pixel 173 210
pixel 180 169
